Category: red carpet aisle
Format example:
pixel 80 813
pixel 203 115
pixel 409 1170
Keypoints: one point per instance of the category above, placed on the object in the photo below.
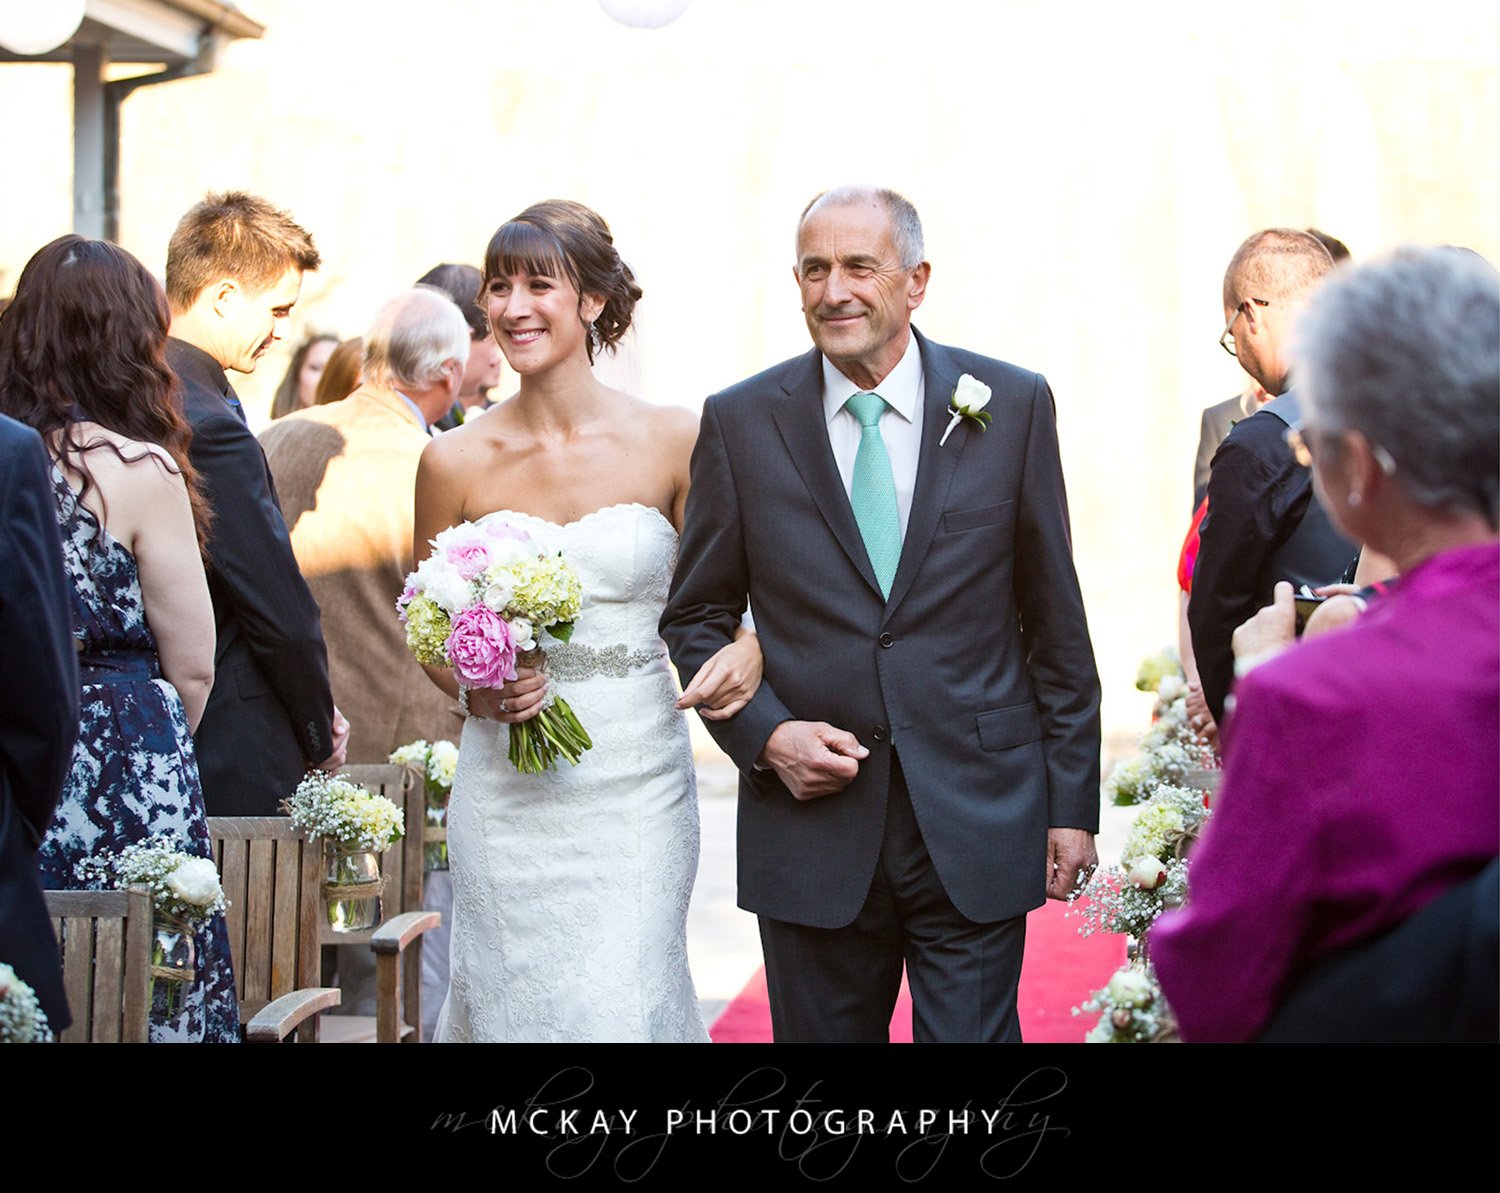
pixel 1060 971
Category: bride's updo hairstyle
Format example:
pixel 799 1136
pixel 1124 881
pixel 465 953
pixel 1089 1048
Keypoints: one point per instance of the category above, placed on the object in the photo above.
pixel 560 237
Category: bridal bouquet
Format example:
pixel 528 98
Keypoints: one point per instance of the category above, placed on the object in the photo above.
pixel 478 604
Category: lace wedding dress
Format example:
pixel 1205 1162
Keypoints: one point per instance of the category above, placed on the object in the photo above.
pixel 570 888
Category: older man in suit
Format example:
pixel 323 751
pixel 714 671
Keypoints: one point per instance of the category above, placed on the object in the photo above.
pixel 38 707
pixel 347 475
pixel 920 765
pixel 234 272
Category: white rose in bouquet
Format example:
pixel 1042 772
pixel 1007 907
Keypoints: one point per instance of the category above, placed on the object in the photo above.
pixel 196 881
pixel 1147 873
pixel 1130 988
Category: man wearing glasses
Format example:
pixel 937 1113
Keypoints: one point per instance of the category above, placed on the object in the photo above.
pixel 1263 522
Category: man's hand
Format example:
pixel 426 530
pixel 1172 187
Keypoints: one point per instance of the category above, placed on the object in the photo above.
pixel 1071 858
pixel 1269 632
pixel 813 758
pixel 335 761
pixel 1201 720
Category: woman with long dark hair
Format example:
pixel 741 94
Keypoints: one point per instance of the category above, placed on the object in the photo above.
pixel 82 360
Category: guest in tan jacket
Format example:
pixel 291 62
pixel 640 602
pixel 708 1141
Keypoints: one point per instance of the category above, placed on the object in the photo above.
pixel 346 474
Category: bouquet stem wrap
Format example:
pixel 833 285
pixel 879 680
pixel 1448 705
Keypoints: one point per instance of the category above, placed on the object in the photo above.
pixel 555 732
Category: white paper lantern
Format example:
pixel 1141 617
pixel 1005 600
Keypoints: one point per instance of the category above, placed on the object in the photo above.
pixel 645 14
pixel 38 26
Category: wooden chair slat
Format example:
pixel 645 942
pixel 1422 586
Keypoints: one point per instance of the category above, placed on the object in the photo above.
pixel 78 974
pixel 109 965
pixel 260 978
pixel 233 857
pixel 286 929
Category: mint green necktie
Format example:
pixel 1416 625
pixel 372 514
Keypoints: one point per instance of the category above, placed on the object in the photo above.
pixel 873 491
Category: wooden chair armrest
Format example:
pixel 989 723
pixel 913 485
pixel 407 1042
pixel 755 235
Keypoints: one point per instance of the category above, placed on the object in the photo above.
pixel 277 1020
pixel 400 930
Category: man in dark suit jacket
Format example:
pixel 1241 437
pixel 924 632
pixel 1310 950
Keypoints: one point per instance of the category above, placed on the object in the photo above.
pixel 39 694
pixel 1264 523
pixel 920 765
pixel 234 271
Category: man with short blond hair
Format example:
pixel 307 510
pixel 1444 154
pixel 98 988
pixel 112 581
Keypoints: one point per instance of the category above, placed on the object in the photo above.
pixel 234 272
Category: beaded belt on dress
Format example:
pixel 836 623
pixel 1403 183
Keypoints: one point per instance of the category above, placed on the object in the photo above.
pixel 117 666
pixel 574 660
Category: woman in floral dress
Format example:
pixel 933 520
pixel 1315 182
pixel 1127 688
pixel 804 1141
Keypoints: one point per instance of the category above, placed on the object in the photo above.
pixel 82 360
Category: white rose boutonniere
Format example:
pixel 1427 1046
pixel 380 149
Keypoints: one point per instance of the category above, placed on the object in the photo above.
pixel 970 397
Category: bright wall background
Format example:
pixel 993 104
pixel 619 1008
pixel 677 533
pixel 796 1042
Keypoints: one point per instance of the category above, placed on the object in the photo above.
pixel 1084 171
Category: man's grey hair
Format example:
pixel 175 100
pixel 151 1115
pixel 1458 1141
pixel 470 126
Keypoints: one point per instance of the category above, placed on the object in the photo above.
pixel 1406 351
pixel 1277 265
pixel 411 337
pixel 906 225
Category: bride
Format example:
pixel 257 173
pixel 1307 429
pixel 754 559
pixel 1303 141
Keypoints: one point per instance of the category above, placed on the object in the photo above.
pixel 571 888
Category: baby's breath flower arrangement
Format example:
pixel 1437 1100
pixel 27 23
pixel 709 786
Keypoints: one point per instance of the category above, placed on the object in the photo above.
pixel 185 895
pixel 1131 1009
pixel 344 814
pixel 1170 749
pixel 479 604
pixel 438 763
pixel 354 826
pixel 183 885
pixel 22 1020
pixel 1152 873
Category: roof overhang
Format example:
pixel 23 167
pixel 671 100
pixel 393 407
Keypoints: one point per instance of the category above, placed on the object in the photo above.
pixel 165 32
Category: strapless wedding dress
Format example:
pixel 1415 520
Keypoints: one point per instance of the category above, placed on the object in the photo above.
pixel 571 888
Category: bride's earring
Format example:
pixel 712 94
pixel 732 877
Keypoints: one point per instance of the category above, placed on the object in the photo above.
pixel 596 341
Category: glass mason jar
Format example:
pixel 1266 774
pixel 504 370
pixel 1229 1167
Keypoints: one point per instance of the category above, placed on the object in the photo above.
pixel 173 961
pixel 351 888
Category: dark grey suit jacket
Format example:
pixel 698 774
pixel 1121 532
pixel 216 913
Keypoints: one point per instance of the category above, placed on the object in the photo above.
pixel 270 714
pixel 978 670
pixel 39 694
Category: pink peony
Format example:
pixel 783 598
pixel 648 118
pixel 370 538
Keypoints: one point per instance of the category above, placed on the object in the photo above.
pixel 482 648
pixel 504 530
pixel 469 559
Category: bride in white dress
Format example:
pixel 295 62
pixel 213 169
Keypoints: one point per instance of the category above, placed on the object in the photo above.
pixel 571 888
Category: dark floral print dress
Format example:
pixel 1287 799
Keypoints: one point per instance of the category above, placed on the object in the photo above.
pixel 134 773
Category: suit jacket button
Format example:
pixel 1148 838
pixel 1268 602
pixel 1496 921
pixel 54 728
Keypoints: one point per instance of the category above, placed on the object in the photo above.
pixel 878 733
pixel 886 640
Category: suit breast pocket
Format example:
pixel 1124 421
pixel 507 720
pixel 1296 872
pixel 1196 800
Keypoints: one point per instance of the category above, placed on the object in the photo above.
pixel 1006 728
pixel 957 521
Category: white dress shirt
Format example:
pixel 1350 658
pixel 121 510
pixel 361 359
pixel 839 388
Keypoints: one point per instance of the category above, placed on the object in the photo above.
pixel 900 425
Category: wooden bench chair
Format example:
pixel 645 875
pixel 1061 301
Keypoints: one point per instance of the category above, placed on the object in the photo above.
pixel 105 939
pixel 397 941
pixel 272 876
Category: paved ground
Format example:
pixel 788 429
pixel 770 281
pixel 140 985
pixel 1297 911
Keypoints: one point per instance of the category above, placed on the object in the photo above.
pixel 723 942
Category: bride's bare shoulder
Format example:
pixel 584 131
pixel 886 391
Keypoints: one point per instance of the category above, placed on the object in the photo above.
pixel 675 426
pixel 477 443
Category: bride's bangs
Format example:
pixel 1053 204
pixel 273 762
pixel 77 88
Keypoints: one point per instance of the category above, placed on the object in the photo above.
pixel 525 248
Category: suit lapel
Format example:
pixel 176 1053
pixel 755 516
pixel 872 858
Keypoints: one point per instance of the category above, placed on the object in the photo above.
pixel 935 466
pixel 799 418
